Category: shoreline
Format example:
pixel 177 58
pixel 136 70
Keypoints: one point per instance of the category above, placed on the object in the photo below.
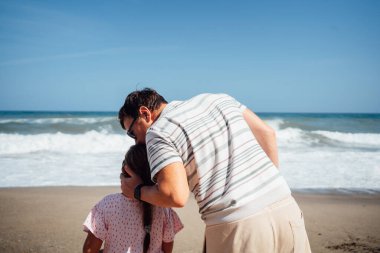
pixel 49 219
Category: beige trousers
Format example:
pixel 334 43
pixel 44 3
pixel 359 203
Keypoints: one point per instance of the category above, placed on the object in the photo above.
pixel 279 228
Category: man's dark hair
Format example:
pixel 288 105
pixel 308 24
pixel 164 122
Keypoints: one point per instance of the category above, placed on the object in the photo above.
pixel 146 97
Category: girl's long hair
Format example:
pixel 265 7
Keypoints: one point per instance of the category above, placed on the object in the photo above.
pixel 137 160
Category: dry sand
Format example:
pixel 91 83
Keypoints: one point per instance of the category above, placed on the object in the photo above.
pixel 49 219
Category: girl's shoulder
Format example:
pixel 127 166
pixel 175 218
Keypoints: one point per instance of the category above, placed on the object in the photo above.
pixel 113 197
pixel 170 221
pixel 166 213
pixel 117 199
pixel 161 210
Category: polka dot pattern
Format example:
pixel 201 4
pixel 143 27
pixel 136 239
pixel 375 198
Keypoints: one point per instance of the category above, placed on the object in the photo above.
pixel 117 220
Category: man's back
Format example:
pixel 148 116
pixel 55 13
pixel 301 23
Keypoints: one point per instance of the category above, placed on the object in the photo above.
pixel 227 170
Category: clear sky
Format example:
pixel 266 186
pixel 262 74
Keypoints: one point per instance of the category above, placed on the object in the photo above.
pixel 273 56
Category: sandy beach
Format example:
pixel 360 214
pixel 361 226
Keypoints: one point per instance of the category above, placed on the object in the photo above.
pixel 49 219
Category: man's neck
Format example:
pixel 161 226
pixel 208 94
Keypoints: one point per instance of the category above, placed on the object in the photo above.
pixel 157 112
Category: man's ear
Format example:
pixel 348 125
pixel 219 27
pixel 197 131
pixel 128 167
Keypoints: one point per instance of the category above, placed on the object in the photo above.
pixel 145 113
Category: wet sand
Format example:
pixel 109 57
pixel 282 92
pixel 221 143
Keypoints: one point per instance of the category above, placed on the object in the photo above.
pixel 49 219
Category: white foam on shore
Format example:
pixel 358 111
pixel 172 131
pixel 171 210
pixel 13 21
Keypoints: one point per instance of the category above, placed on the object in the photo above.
pixel 320 168
pixel 362 139
pixel 88 143
pixel 54 169
pixel 309 159
pixel 68 120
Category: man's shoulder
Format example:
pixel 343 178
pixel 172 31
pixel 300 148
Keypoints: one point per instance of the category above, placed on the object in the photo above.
pixel 176 108
pixel 210 96
pixel 178 113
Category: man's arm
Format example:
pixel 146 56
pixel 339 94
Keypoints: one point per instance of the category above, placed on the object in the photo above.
pixel 92 244
pixel 264 134
pixel 171 190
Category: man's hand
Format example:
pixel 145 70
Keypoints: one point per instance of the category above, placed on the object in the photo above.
pixel 128 185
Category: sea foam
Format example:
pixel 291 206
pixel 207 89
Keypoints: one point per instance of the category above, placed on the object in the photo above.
pixel 88 148
pixel 88 143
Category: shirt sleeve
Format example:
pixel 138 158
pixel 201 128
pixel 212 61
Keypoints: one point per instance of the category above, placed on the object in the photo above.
pixel 172 225
pixel 95 222
pixel 161 151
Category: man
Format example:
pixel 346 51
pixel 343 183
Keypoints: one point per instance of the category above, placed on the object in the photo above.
pixel 227 156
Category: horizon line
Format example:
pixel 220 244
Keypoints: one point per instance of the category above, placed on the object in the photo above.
pixel 106 111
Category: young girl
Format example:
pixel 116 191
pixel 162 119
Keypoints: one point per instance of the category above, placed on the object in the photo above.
pixel 129 225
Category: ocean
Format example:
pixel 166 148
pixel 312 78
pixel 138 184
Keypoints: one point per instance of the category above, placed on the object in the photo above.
pixel 317 151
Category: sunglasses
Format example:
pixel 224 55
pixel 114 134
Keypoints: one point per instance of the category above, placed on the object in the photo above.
pixel 130 131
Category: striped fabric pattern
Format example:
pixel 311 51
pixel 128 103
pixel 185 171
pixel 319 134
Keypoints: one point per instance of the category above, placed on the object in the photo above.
pixel 226 167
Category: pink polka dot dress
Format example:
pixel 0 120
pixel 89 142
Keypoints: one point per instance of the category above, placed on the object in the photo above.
pixel 117 220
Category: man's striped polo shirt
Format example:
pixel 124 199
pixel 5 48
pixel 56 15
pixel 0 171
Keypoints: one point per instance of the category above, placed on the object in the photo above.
pixel 228 172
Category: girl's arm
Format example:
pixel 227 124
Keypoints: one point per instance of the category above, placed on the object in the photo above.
pixel 92 244
pixel 167 247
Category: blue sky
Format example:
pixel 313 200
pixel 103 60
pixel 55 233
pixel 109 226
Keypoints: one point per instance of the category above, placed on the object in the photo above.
pixel 274 56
